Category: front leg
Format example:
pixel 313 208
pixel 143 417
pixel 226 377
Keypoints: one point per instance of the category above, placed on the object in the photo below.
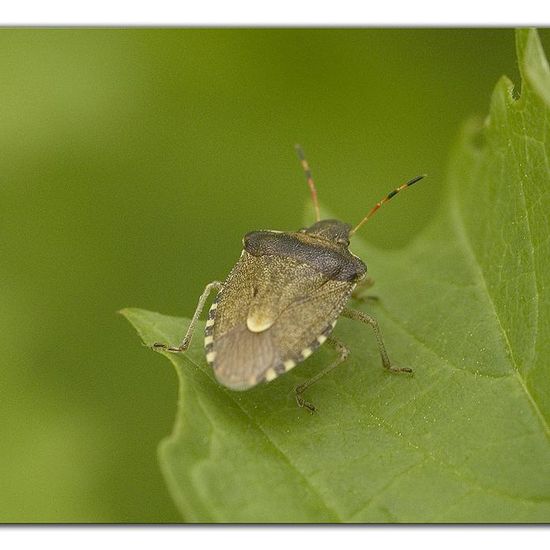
pixel 373 323
pixel 189 334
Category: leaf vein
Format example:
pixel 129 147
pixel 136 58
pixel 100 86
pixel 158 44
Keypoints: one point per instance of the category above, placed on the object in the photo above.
pixel 463 237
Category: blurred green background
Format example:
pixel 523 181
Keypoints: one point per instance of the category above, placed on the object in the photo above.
pixel 131 164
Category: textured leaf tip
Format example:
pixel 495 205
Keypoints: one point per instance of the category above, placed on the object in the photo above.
pixel 533 64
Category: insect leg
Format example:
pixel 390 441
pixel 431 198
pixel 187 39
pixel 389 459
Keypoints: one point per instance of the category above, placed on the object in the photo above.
pixel 367 319
pixel 189 334
pixel 343 352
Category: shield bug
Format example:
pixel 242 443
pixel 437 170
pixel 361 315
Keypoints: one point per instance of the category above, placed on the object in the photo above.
pixel 282 299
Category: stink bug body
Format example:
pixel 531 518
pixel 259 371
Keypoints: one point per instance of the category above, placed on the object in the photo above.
pixel 281 301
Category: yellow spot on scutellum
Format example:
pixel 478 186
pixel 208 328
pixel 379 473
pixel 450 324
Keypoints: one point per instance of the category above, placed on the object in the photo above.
pixel 258 323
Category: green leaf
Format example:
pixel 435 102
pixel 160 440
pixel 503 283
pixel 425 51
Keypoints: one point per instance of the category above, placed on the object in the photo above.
pixel 467 305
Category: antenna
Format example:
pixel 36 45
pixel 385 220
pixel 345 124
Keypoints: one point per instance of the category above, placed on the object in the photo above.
pixel 310 181
pixel 386 199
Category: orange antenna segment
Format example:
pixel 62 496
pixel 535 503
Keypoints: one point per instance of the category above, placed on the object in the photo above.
pixel 310 181
pixel 385 200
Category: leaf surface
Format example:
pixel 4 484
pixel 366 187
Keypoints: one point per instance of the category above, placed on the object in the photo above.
pixel 466 305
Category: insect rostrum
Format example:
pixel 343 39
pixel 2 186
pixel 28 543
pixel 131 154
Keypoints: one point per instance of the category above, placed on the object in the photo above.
pixel 281 301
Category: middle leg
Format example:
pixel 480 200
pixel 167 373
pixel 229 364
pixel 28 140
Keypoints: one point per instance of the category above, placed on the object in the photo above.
pixel 373 323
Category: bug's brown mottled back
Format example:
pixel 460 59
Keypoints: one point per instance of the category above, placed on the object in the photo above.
pixel 279 303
